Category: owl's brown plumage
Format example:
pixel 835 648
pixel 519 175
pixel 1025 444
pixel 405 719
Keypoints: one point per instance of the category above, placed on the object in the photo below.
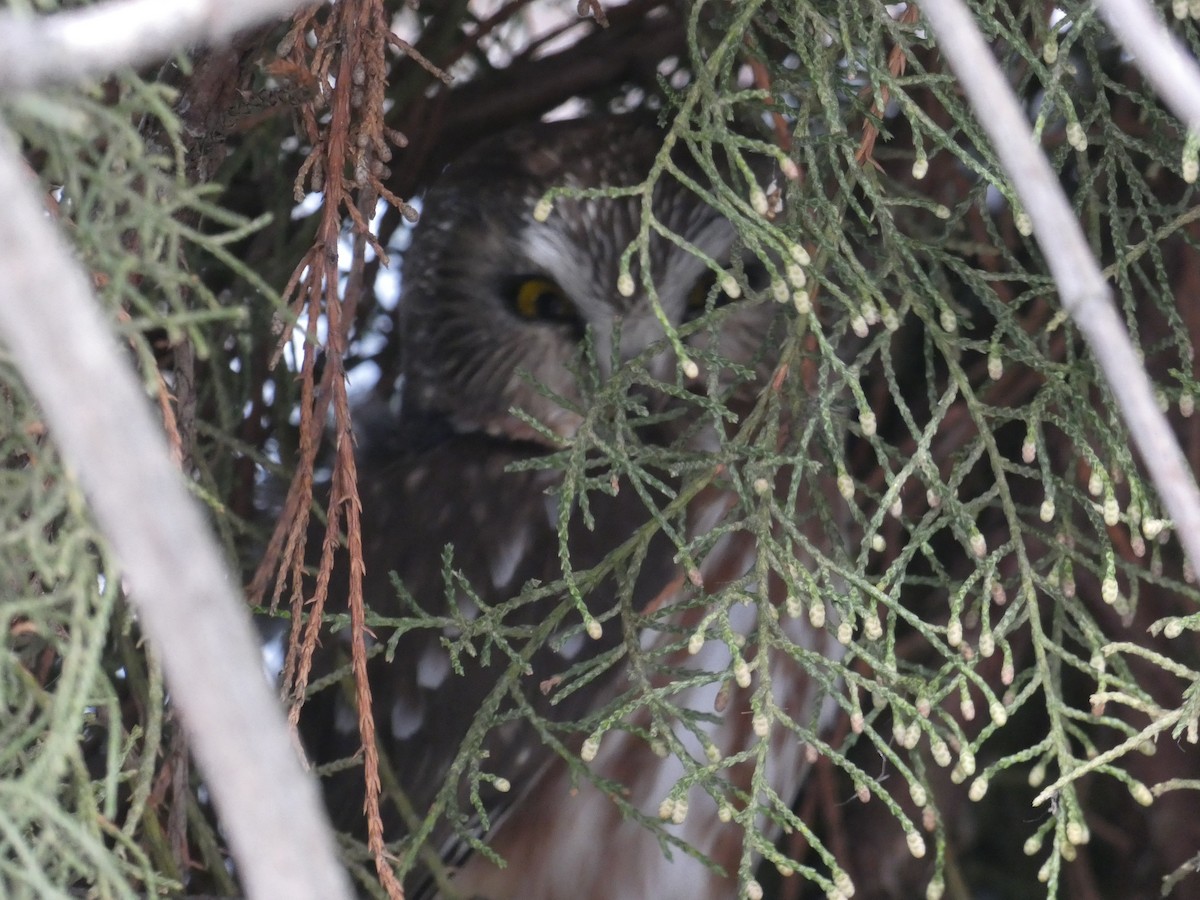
pixel 495 307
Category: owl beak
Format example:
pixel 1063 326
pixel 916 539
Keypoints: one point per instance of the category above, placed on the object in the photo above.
pixel 561 422
pixel 634 335
pixel 662 365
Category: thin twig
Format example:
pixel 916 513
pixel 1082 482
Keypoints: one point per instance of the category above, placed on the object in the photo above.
pixel 1083 291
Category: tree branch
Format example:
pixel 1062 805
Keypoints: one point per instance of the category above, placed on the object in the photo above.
pixel 1158 54
pixel 1083 291
pixel 186 603
pixel 89 42
pixel 100 420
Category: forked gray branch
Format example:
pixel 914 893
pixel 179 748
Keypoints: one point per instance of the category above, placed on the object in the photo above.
pixel 1158 54
pixel 1084 293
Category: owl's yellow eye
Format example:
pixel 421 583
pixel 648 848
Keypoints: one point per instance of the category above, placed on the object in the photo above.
pixel 542 300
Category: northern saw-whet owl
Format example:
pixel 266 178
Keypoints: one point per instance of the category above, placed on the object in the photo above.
pixel 501 293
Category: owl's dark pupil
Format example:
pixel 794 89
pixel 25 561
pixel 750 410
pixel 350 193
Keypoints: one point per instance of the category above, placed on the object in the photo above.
pixel 697 301
pixel 699 294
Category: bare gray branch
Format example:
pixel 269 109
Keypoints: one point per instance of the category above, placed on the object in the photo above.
pixel 1158 54
pixel 1084 293
pixel 186 600
pixel 89 42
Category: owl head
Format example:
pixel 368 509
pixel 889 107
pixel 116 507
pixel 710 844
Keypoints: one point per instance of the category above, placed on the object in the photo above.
pixel 497 299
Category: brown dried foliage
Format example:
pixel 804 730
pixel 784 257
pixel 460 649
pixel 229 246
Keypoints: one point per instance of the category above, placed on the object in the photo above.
pixel 348 162
pixel 334 66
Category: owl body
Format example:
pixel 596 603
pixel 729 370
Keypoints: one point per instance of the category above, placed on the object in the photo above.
pixel 467 507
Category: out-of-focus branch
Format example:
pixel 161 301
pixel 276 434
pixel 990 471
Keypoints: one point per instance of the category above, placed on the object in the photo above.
pixel 1159 55
pixel 82 43
pixel 185 597
pixel 1084 293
